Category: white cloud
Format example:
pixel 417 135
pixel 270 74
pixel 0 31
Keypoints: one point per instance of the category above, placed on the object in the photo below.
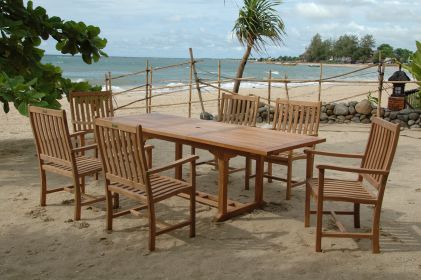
pixel 312 10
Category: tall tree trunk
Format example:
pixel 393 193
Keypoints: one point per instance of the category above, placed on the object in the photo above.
pixel 241 67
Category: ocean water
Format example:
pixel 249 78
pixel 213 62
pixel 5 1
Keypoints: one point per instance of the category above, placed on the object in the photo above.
pixel 76 70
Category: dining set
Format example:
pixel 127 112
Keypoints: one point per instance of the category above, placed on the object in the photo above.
pixel 118 149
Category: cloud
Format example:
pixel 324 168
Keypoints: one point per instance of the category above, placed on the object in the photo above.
pixel 312 10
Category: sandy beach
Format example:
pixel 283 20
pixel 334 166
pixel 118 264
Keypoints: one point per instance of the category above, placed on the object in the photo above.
pixel 271 243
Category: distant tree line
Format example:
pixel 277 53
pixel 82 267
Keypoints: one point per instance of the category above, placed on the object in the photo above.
pixel 347 49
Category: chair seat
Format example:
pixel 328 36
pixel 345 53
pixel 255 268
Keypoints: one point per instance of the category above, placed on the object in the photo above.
pixel 342 190
pixel 162 187
pixel 283 157
pixel 85 166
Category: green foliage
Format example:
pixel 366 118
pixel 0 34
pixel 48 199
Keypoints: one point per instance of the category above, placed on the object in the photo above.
pixel 258 21
pixel 415 66
pixel 372 99
pixel 23 78
pixel 318 50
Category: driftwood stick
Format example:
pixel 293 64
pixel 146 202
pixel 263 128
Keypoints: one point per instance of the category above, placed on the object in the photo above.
pixel 190 88
pixel 150 89
pixel 196 79
pixel 286 86
pixel 381 78
pixel 320 82
pixel 269 93
pixel 219 86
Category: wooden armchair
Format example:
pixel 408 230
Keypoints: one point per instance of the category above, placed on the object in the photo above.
pixel 86 106
pixel 126 173
pixel 301 117
pixel 240 110
pixel 56 154
pixel 373 171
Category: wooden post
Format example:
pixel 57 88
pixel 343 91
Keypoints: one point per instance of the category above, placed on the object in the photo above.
pixel 147 85
pixel 106 82
pixel 150 89
pixel 269 93
pixel 381 79
pixel 110 88
pixel 320 82
pixel 219 87
pixel 286 86
pixel 190 87
pixel 196 79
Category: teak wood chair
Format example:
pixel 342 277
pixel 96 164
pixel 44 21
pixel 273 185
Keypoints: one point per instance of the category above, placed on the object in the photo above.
pixel 292 116
pixel 126 172
pixel 56 154
pixel 367 189
pixel 85 107
pixel 240 110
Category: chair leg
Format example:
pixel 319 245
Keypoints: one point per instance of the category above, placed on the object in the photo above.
pixel 319 224
pixel 82 184
pixel 109 197
pixel 149 158
pixel 307 207
pixel 116 198
pixel 193 213
pixel 247 175
pixel 375 242
pixel 289 180
pixel 78 199
pixel 152 227
pixel 269 172
pixel 96 156
pixel 43 198
pixel 356 215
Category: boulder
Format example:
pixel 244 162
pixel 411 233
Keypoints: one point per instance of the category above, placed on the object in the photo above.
pixel 259 119
pixel 411 122
pixel 351 109
pixel 393 115
pixel 403 118
pixel 348 117
pixel 323 116
pixel 340 110
pixel 415 126
pixel 362 117
pixel 386 114
pixel 413 116
pixel 340 118
pixel 206 116
pixel 323 109
pixel 331 122
pixel 365 121
pixel 356 119
pixel 374 112
pixel 329 112
pixel 353 103
pixel 363 107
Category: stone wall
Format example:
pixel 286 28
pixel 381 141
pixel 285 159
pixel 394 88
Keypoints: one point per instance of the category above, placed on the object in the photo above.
pixel 356 112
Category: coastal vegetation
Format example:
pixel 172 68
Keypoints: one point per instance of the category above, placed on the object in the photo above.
pixel 257 22
pixel 24 79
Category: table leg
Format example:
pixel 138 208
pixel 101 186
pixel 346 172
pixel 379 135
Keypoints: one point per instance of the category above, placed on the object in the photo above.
pixel 223 164
pixel 178 155
pixel 258 189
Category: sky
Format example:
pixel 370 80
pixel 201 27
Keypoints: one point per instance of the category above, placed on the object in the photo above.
pixel 167 28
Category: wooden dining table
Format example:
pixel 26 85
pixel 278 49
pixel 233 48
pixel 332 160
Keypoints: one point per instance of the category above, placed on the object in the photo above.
pixel 224 141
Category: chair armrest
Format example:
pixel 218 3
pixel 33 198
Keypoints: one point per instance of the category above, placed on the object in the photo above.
pixel 172 164
pixel 330 154
pixel 149 147
pixel 80 133
pixel 352 169
pixel 84 148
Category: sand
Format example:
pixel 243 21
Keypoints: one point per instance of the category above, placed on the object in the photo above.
pixel 272 243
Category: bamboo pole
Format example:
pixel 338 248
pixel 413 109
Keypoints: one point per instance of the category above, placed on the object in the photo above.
pixel 166 105
pixel 320 82
pixel 150 89
pixel 219 86
pixel 286 86
pixel 110 88
pixel 213 86
pixel 197 80
pixel 190 87
pixel 381 78
pixel 147 85
pixel 269 93
pixel 106 82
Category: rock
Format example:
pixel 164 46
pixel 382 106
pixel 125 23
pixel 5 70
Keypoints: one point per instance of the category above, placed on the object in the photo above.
pixel 351 109
pixel 411 122
pixel 415 126
pixel 259 119
pixel 405 112
pixel 353 103
pixel 357 115
pixel 262 109
pixel 330 106
pixel 347 121
pixel 387 119
pixel 393 115
pixel 348 117
pixel 374 112
pixel 413 116
pixel 365 121
pixel 329 112
pixel 418 121
pixel 262 104
pixel 323 116
pixel 324 121
pixel 386 114
pixel 340 110
pixel 206 116
pixel 323 109
pixel 331 122
pixel 332 117
pixel 362 117
pixel 404 118
pixel 340 118
pixel 356 119
pixel 363 107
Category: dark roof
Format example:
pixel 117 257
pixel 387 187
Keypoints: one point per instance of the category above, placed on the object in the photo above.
pixel 399 76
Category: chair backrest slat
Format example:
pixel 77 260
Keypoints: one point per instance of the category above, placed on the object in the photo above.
pixel 86 106
pixel 300 117
pixel 380 150
pixel 238 109
pixel 51 134
pixel 123 153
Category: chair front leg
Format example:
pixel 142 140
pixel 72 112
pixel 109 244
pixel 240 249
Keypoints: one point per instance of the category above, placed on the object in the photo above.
pixel 375 242
pixel 78 198
pixel 43 196
pixel 309 175
pixel 356 215
pixel 152 226
pixel 109 197
pixel 247 175
pixel 319 224
pixel 289 179
pixel 193 199
pixel 269 172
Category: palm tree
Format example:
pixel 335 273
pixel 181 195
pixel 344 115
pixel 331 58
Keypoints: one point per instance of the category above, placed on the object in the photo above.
pixel 258 21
